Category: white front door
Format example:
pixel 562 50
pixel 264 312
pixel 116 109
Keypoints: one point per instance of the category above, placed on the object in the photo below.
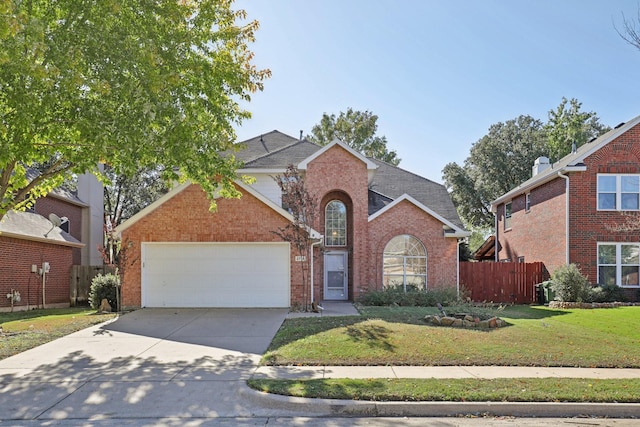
pixel 335 276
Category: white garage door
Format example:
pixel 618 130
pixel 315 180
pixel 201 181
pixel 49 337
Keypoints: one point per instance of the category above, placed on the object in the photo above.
pixel 215 275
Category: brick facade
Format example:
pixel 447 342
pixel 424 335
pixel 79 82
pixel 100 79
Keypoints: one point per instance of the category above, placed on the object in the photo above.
pixel 18 256
pixel 539 235
pixel 335 174
pixel 186 218
pixel 406 218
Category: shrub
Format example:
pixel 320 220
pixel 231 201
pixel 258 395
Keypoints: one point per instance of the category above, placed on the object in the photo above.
pixel 570 285
pixel 396 295
pixel 104 286
pixel 607 293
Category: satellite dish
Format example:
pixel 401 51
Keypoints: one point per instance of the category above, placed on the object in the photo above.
pixel 56 221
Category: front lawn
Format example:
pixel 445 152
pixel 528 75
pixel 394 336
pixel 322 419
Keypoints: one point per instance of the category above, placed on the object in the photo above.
pixel 536 336
pixel 23 330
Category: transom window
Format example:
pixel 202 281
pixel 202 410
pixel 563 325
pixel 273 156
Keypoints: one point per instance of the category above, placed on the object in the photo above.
pixel 618 192
pixel 405 263
pixel 335 224
pixel 619 264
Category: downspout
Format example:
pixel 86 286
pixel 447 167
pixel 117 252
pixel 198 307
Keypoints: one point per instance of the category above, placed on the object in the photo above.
pixel 495 241
pixel 566 215
pixel 458 268
pixel 311 261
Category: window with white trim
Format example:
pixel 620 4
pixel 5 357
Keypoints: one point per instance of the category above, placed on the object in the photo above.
pixel 405 263
pixel 335 224
pixel 507 216
pixel 527 202
pixel 619 264
pixel 618 192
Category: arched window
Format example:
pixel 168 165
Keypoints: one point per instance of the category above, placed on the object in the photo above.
pixel 335 224
pixel 405 263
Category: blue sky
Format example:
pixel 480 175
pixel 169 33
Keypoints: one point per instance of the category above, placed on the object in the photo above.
pixel 439 73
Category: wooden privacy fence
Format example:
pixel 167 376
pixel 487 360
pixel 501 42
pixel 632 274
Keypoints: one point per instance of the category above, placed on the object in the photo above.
pixel 502 282
pixel 80 284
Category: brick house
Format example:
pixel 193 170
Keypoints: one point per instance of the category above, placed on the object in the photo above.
pixel 568 211
pixel 28 240
pixel 378 226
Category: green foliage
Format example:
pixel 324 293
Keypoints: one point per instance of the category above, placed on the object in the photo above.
pixel 570 285
pixel 606 293
pixel 568 125
pixel 498 162
pixel 357 129
pixel 395 295
pixel 104 286
pixel 502 159
pixel 136 85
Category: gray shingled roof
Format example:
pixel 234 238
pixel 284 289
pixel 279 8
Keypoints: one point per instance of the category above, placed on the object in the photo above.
pixel 572 159
pixel 276 150
pixel 33 226
pixel 264 145
pixel 292 154
pixel 393 182
pixel 60 192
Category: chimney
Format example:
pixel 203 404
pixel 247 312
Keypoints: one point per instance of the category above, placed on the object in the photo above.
pixel 300 134
pixel 540 165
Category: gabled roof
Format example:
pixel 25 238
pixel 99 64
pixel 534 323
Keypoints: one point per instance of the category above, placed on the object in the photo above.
pixel 371 165
pixel 264 145
pixel 274 151
pixel 34 227
pixel 175 191
pixel 570 163
pixel 392 182
pixel 452 230
pixel 279 159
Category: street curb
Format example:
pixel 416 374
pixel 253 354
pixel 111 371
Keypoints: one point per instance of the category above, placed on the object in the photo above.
pixel 338 407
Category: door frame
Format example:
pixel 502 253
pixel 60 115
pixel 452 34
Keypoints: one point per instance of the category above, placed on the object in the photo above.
pixel 345 286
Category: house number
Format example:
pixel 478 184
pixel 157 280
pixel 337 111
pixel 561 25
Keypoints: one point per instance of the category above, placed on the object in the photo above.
pixel 300 258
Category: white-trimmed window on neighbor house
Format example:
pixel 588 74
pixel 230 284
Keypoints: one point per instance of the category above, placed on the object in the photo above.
pixel 527 202
pixel 507 216
pixel 618 192
pixel 619 264
pixel 335 224
pixel 405 263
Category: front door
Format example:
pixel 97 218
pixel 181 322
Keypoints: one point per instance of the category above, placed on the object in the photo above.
pixel 335 276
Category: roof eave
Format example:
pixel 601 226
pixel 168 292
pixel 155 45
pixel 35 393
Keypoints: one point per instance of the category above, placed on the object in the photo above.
pixel 41 239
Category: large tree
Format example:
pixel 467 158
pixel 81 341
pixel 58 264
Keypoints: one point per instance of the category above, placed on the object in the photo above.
pixel 134 84
pixel 498 162
pixel 356 129
pixel 568 125
pixel 631 30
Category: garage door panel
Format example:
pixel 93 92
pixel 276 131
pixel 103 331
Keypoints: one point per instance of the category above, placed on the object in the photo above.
pixel 215 275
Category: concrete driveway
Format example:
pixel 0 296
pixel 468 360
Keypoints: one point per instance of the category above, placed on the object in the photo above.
pixel 151 363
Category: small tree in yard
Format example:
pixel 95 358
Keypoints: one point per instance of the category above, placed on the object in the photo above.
pixel 303 206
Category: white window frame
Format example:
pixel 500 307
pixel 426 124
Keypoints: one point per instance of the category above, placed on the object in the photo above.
pixel 508 213
pixel 406 258
pixel 618 192
pixel 341 231
pixel 527 202
pixel 618 264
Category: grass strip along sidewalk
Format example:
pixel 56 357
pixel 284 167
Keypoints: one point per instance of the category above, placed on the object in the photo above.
pixel 23 330
pixel 536 336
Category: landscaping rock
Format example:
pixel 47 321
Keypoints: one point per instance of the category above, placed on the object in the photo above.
pixel 105 307
pixel 457 323
pixel 447 321
pixel 493 322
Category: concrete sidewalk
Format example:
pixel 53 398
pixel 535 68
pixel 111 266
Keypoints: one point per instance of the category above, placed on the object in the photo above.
pixel 442 372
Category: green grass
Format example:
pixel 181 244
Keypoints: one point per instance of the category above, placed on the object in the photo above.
pixel 537 336
pixel 23 330
pixel 460 390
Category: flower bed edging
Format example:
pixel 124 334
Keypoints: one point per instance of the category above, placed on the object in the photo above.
pixel 467 321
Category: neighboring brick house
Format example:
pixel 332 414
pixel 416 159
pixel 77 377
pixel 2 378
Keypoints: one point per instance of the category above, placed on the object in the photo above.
pixel 28 240
pixel 568 211
pixel 378 225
